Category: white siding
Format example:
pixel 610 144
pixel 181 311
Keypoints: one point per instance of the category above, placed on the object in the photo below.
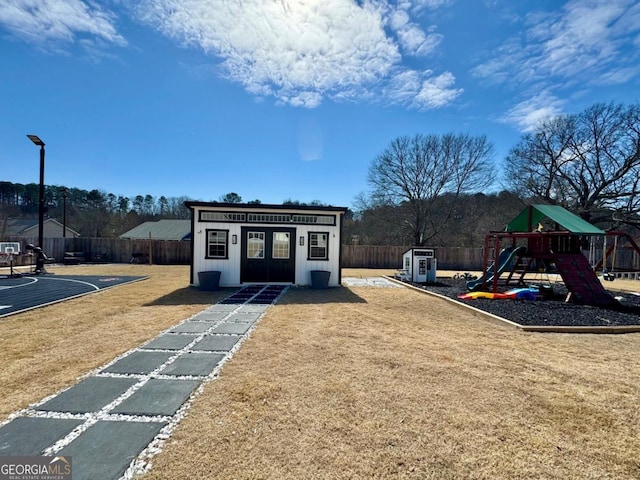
pixel 230 267
pixel 304 266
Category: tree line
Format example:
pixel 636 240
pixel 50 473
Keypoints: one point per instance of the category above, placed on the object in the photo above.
pixel 93 213
pixel 96 213
pixel 428 189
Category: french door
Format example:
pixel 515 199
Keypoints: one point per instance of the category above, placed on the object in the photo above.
pixel 268 255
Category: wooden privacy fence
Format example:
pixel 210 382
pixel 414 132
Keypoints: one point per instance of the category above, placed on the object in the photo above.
pixel 114 250
pixel 459 258
pixel 175 252
pixel 374 256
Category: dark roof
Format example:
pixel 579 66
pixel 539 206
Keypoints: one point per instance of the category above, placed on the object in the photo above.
pixel 161 230
pixel 18 226
pixel 528 220
pixel 264 206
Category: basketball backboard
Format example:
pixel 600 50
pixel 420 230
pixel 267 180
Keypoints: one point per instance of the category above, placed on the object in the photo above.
pixel 9 248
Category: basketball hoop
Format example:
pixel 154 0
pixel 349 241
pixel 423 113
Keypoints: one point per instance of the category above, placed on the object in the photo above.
pixel 7 251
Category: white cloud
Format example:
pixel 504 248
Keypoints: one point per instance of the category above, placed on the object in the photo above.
pixel 585 43
pixel 629 21
pixel 299 52
pixel 618 76
pixel 54 23
pixel 437 91
pixel 579 43
pixel 582 39
pixel 413 39
pixel 528 114
pixel 421 90
pixel 403 86
pixel 503 66
pixel 419 5
pixel 303 51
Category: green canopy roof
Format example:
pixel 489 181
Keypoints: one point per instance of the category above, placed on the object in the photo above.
pixel 528 219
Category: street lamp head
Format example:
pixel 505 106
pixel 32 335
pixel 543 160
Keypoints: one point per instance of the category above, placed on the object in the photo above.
pixel 36 139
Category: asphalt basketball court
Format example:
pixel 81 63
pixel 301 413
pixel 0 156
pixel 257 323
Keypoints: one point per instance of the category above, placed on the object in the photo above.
pixel 26 292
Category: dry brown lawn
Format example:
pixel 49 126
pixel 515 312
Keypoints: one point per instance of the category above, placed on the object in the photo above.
pixel 391 383
pixel 355 383
pixel 47 349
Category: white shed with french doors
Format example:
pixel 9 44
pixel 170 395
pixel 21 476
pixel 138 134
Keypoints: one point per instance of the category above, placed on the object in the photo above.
pixel 255 243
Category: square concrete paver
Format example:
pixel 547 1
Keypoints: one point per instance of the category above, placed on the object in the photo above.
pixel 265 301
pixel 248 317
pixel 157 397
pixel 218 343
pixel 196 364
pixel 170 342
pixel 206 316
pixel 139 363
pixel 31 436
pixel 90 395
pixel 253 308
pixel 241 297
pixel 105 450
pixel 232 327
pixel 192 327
pixel 218 307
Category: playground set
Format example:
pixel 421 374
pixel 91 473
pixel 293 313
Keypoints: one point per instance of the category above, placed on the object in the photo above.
pixel 526 246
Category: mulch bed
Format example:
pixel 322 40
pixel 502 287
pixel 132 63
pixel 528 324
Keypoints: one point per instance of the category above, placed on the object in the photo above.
pixel 551 311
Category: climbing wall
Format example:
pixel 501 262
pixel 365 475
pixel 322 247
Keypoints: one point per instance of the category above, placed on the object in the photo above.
pixel 581 281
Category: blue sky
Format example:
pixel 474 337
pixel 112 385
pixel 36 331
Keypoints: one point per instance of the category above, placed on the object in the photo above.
pixel 288 99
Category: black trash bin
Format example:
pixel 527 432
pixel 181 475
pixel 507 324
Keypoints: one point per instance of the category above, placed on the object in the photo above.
pixel 209 281
pixel 320 279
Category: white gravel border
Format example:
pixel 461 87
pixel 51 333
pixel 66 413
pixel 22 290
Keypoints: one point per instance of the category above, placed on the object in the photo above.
pixel 142 463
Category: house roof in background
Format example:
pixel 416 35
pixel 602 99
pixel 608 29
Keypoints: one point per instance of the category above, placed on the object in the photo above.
pixel 18 226
pixel 161 230
pixel 528 219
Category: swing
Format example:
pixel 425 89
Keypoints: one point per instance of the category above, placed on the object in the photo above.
pixel 609 276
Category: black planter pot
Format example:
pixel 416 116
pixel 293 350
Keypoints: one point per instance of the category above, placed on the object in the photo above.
pixel 320 279
pixel 209 281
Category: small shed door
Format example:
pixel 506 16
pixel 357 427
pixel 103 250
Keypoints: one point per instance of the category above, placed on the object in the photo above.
pixel 268 255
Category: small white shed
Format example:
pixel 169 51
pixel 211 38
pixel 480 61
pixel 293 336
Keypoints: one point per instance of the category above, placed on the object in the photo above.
pixel 419 264
pixel 256 243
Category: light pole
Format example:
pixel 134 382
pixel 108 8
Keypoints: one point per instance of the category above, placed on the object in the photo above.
pixel 35 139
pixel 64 212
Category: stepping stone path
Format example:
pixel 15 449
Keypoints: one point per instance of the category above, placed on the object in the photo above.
pixel 114 420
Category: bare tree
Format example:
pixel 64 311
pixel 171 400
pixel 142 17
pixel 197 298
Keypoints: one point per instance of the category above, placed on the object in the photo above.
pixel 177 208
pixel 588 163
pixel 413 172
